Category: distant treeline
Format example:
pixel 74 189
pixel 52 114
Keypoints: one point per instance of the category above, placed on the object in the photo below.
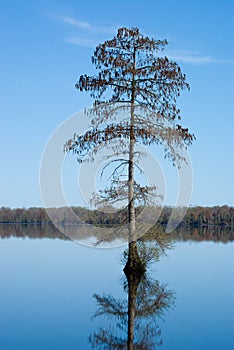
pixel 194 217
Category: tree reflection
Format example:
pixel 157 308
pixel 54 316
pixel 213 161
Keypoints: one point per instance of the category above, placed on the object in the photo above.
pixel 78 233
pixel 134 321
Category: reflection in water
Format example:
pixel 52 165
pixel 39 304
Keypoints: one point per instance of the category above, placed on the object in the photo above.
pixel 30 231
pixel 212 233
pixel 134 320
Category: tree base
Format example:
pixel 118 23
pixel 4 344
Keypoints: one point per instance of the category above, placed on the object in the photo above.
pixel 138 267
pixel 134 263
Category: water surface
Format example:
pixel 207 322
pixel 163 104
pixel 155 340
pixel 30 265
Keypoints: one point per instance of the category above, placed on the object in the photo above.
pixel 47 288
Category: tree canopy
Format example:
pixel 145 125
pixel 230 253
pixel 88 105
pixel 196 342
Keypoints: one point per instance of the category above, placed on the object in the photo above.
pixel 132 75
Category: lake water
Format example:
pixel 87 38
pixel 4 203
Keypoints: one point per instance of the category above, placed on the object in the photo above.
pixel 47 301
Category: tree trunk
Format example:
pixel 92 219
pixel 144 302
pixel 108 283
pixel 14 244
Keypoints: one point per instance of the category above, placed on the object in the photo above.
pixel 134 262
pixel 131 213
pixel 134 267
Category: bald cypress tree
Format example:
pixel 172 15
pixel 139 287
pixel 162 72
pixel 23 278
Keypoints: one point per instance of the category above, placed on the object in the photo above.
pixel 136 82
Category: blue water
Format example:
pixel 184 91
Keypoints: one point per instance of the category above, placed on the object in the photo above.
pixel 202 276
pixel 47 287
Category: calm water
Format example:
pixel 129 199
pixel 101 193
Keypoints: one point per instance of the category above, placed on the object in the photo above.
pixel 48 285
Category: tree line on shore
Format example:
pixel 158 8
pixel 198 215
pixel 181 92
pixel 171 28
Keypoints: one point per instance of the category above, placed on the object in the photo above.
pixel 194 217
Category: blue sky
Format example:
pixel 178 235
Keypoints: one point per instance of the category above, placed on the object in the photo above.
pixel 46 45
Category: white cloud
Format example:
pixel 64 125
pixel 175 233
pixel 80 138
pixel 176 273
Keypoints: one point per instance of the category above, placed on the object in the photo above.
pixel 92 32
pixel 84 25
pixel 82 42
pixel 194 57
pixel 189 57
pixel 88 35
pixel 74 22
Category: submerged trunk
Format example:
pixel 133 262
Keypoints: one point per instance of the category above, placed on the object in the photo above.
pixel 134 279
pixel 134 263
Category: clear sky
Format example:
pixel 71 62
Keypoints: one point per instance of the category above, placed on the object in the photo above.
pixel 46 45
